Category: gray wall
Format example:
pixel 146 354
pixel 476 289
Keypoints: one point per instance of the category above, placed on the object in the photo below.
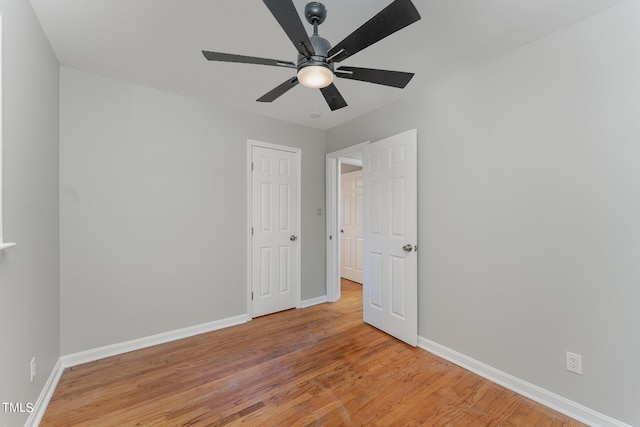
pixel 529 200
pixel 153 209
pixel 29 273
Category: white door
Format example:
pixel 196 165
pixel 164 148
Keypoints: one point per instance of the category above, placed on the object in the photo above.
pixel 390 290
pixel 275 243
pixel 351 226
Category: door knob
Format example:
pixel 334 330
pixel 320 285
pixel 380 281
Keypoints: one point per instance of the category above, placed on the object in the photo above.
pixel 407 248
pixel 293 237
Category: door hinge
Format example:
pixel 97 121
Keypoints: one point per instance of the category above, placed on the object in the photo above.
pixel 251 166
pixel 252 231
pixel 251 296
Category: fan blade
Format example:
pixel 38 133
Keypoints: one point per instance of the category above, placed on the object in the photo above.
pixel 278 91
pixel 229 57
pixel 392 18
pixel 382 77
pixel 287 16
pixel 333 97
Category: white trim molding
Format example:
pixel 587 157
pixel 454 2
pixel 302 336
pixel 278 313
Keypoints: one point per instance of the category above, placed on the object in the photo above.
pixel 524 388
pixel 140 343
pixel 313 301
pixel 45 396
pixel 3 245
pixel 115 349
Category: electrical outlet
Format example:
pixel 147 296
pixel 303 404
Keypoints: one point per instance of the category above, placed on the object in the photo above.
pixel 574 363
pixel 33 368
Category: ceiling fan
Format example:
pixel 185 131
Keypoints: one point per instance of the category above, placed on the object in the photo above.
pixel 316 57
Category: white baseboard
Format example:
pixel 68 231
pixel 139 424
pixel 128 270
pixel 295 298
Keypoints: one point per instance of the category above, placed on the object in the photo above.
pixel 112 350
pixel 137 344
pixel 45 396
pixel 313 301
pixel 533 392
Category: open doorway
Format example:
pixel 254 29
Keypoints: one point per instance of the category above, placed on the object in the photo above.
pixel 347 160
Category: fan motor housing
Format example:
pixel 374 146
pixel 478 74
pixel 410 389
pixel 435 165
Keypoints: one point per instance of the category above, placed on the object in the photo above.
pixel 321 46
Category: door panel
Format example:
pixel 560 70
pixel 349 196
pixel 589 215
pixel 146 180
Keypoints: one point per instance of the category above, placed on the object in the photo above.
pixel 265 271
pixel 398 287
pixel 275 209
pixel 374 284
pixel 285 203
pixel 390 226
pixel 359 221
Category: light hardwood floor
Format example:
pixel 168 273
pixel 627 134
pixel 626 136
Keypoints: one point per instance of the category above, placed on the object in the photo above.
pixel 316 366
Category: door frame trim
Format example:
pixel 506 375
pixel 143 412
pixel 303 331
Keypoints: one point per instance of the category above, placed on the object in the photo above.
pixel 297 276
pixel 332 192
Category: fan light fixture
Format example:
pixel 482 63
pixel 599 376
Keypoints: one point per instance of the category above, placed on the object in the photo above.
pixel 317 59
pixel 315 76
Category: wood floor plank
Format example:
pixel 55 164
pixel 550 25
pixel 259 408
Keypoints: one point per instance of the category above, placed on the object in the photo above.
pixel 319 366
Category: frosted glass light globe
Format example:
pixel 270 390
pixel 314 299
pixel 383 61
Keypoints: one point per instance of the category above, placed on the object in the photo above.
pixel 315 76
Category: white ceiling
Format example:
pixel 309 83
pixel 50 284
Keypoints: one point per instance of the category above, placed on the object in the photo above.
pixel 158 43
